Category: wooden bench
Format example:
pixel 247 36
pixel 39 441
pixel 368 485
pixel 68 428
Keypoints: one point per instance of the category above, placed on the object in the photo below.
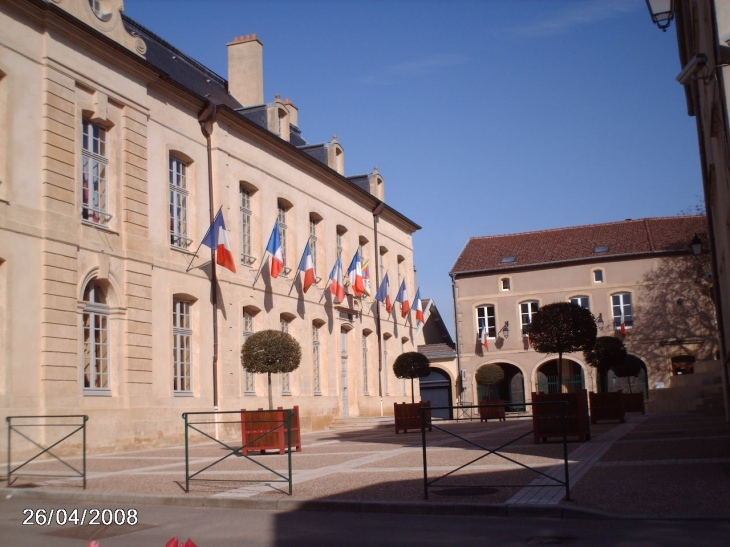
pixel 607 407
pixel 547 418
pixel 491 412
pixel 407 415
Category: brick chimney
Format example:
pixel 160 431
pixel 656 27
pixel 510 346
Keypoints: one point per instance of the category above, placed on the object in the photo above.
pixel 246 70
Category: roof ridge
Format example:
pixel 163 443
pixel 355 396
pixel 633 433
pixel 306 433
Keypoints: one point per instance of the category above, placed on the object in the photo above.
pixel 614 223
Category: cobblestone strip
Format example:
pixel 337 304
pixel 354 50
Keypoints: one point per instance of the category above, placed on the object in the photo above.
pixel 544 491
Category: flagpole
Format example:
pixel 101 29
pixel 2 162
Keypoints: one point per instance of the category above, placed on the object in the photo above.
pixel 376 215
pixel 298 269
pixel 261 267
pixel 204 237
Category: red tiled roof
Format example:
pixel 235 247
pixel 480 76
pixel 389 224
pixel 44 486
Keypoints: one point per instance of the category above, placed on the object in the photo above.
pixel 437 350
pixel 578 243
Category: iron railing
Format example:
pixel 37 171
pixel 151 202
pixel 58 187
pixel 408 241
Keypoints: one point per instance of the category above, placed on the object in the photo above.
pixel 440 426
pixel 16 428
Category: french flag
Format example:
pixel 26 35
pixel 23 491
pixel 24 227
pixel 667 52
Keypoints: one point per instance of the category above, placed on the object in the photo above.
pixel 337 285
pixel 277 254
pixel 306 265
pixel 484 337
pixel 418 306
pixel 383 294
pixel 402 297
pixel 354 272
pixel 217 239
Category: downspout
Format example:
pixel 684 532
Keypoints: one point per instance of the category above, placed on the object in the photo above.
pixel 205 118
pixel 458 338
pixel 376 216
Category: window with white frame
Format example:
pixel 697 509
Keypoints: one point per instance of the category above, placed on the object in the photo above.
pixel 283 228
pixel 94 167
pixel 486 319
pixel 365 365
pixel 622 310
pixel 178 203
pixel 382 265
pixel 505 283
pixel 95 321
pixel 339 242
pixel 249 327
pixel 527 310
pixel 313 241
pixel 182 335
pixel 316 360
pixel 581 301
pixel 285 376
pixel 598 276
pixel 246 222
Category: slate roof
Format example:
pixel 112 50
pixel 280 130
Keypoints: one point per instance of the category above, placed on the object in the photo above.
pixel 578 243
pixel 435 351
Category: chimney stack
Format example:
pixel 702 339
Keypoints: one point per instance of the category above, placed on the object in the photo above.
pixel 246 70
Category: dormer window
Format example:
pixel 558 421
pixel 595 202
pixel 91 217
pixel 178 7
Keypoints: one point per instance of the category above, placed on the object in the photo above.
pixel 100 9
pixel 601 249
pixel 508 259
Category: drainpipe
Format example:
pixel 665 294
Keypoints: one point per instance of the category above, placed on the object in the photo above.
pixel 376 217
pixel 458 338
pixel 205 118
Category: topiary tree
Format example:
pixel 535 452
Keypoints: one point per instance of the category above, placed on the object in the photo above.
pixel 270 351
pixel 411 365
pixel 489 375
pixel 629 367
pixel 606 353
pixel 562 327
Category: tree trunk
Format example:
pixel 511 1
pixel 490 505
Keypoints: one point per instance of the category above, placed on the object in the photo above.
pixel 560 372
pixel 629 378
pixel 271 398
pixel 413 400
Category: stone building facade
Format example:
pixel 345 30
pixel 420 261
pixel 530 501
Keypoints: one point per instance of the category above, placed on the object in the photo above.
pixel 113 144
pixel 638 278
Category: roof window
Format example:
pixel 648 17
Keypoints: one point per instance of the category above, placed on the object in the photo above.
pixel 507 259
pixel 601 249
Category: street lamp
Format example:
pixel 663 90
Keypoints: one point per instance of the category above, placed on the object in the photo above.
pixel 696 245
pixel 599 321
pixel 662 12
pixel 504 330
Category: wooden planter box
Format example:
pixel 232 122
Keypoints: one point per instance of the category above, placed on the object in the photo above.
pixel 633 402
pixel 407 416
pixel 257 428
pixel 491 412
pixel 607 406
pixel 547 419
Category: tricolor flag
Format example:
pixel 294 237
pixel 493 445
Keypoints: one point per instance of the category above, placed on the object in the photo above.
pixel 402 297
pixel 383 294
pixel 277 254
pixel 366 277
pixel 306 265
pixel 418 306
pixel 337 281
pixel 484 337
pixel 217 239
pixel 354 272
pixel 623 328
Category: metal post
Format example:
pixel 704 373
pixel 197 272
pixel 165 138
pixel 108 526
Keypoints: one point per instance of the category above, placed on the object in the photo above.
pixel 288 432
pixel 423 442
pixel 84 447
pixel 187 466
pixel 565 451
pixel 10 428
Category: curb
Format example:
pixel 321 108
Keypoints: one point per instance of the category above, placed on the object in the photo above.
pixel 391 507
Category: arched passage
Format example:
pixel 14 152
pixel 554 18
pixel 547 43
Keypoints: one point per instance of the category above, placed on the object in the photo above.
pixel 547 377
pixel 436 387
pixel 510 389
pixel 630 384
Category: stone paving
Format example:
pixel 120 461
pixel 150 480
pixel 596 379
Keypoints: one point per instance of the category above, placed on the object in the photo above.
pixel 660 465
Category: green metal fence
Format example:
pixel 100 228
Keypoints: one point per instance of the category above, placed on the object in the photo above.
pixel 19 425
pixel 267 423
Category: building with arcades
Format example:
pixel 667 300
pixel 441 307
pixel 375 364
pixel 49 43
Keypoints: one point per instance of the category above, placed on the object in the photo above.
pixel 117 148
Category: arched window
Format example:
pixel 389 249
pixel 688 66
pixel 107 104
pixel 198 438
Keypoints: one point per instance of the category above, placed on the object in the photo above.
pixel 94 176
pixel 182 347
pixel 179 194
pixel 96 340
pixel 316 359
pixel 365 363
pixel 246 221
pixel 282 214
pixel 249 327
pixel 284 321
pixel 582 301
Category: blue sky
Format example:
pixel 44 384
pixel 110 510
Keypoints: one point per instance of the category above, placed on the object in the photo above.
pixel 484 117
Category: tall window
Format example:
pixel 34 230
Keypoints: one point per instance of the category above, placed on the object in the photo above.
pixel 178 204
pixel 282 214
pixel 96 339
pixel 316 355
pixel 249 378
pixel 527 310
pixel 285 376
pixel 246 220
pixel 581 301
pixel 365 365
pixel 182 335
pixel 313 241
pixel 382 265
pixel 386 386
pixel 403 380
pixel 486 319
pixel 94 185
pixel 340 233
pixel 622 310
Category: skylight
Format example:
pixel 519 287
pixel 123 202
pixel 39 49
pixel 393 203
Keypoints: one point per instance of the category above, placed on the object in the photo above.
pixel 601 249
pixel 509 259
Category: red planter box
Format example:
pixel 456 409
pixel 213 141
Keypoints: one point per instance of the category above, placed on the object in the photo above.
pixel 547 419
pixel 634 402
pixel 607 406
pixel 487 413
pixel 259 428
pixel 407 415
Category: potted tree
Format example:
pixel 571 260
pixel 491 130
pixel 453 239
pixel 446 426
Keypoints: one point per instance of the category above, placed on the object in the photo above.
pixel 410 365
pixel 605 354
pixel 488 376
pixel 631 366
pixel 269 352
